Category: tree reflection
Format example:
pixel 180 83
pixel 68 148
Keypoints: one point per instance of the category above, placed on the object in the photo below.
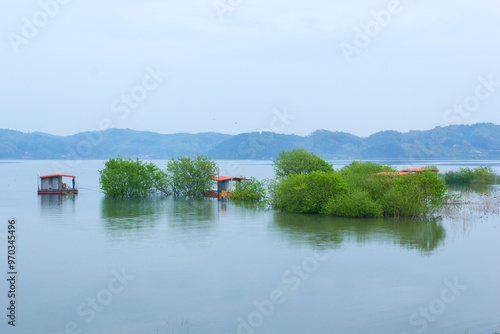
pixel 131 213
pixel 122 214
pixel 191 213
pixel 322 232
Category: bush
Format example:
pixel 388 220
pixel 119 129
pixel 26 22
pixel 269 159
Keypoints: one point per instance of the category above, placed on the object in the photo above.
pixel 359 175
pixel 414 195
pixel 355 192
pixel 299 161
pixel 466 176
pixel 403 198
pixel 354 203
pixel 249 190
pixel 128 178
pixel 189 177
pixel 306 193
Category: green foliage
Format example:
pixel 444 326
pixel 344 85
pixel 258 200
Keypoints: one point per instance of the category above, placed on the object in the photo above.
pixel 413 195
pixel 403 198
pixel 299 161
pixel 189 177
pixel 306 193
pixel 128 178
pixel 354 203
pixel 466 176
pixel 359 175
pixel 355 191
pixel 249 190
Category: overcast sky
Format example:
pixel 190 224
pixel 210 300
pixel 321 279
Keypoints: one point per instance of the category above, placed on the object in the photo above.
pixel 232 66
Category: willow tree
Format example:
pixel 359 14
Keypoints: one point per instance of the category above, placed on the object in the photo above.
pixel 190 176
pixel 299 161
pixel 128 178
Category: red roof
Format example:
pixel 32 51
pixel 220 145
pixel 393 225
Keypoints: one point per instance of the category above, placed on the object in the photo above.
pixel 226 178
pixel 55 175
pixel 412 170
pixel 391 173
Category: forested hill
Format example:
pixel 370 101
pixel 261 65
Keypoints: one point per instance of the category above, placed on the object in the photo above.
pixel 478 141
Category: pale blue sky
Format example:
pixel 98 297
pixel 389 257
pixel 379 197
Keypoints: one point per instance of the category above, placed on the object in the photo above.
pixel 73 72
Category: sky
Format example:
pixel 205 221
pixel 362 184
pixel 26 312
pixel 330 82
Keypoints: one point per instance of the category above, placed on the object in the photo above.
pixel 235 66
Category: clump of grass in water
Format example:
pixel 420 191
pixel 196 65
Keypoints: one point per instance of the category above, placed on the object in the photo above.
pixel 469 205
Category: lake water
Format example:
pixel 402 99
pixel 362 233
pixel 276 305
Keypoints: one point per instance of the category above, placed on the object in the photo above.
pixel 87 264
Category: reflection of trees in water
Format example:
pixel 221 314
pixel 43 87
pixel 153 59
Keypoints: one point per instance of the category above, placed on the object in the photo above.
pixel 310 229
pixel 425 235
pixel 131 213
pixel 329 232
pixel 472 188
pixel 192 221
pixel 187 213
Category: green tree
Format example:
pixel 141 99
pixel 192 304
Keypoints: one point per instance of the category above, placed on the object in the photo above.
pixel 466 176
pixel 306 193
pixel 249 190
pixel 359 175
pixel 414 195
pixel 188 176
pixel 299 161
pixel 355 203
pixel 128 178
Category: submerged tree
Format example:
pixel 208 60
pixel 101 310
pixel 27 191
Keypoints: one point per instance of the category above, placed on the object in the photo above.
pixel 467 176
pixel 361 189
pixel 188 176
pixel 306 193
pixel 128 178
pixel 299 161
pixel 249 190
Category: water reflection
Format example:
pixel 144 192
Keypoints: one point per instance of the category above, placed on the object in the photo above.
pixel 188 219
pixel 56 205
pixel 473 188
pixel 130 213
pixel 329 232
pixel 191 211
pixel 192 221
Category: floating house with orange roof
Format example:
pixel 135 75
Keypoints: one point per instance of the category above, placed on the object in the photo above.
pixel 392 173
pixel 225 186
pixel 418 170
pixel 407 171
pixel 53 184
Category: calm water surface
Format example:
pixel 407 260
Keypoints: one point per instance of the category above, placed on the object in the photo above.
pixel 162 265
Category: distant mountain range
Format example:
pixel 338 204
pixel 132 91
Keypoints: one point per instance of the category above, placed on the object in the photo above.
pixel 478 141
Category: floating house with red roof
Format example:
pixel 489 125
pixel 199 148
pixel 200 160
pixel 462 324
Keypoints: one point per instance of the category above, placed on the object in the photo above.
pixel 408 171
pixel 418 170
pixel 225 186
pixel 54 184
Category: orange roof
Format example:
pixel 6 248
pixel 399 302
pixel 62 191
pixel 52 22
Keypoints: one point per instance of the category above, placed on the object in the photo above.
pixel 226 178
pixel 391 173
pixel 413 170
pixel 55 175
